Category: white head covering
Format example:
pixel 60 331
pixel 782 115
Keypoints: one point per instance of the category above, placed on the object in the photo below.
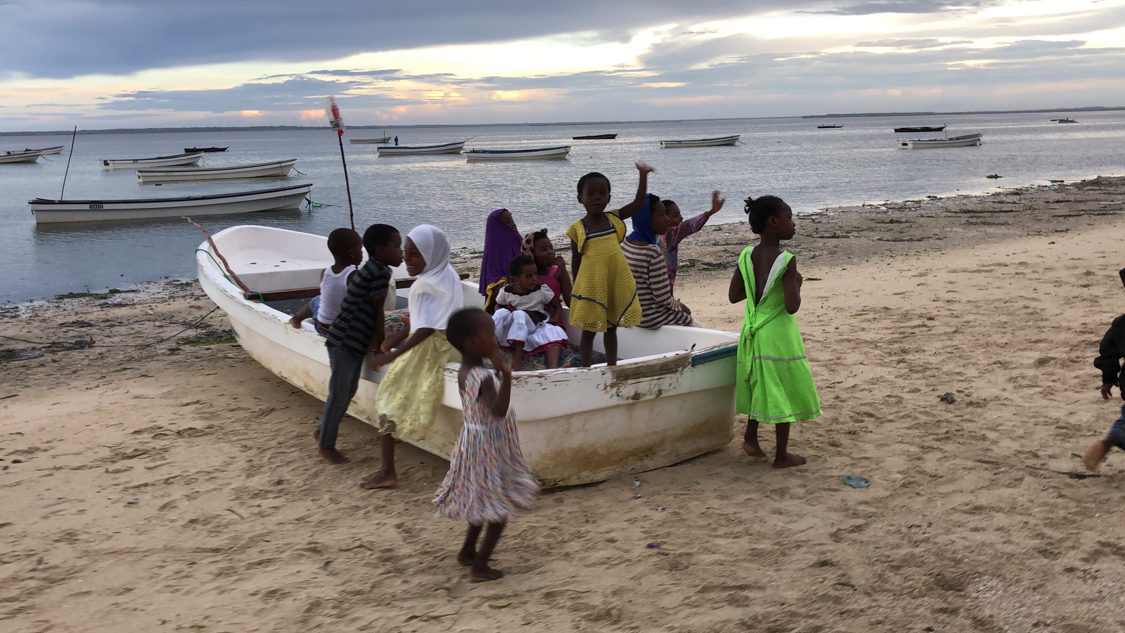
pixel 436 294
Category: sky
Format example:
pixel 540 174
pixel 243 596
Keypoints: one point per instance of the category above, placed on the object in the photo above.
pixel 105 64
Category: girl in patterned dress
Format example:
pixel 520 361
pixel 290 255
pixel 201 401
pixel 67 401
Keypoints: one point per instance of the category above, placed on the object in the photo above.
pixel 488 478
pixel 604 296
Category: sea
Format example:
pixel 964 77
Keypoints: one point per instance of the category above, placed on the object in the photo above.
pixel 809 168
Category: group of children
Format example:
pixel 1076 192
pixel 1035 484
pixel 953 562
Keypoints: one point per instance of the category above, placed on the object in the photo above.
pixel 620 279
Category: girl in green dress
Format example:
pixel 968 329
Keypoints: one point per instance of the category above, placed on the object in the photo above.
pixel 774 384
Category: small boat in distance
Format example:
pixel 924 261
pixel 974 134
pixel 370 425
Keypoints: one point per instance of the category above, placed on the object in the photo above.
pixel 421 150
pixel 192 150
pixel 1064 121
pixel 110 164
pixel 45 151
pixel 541 153
pixel 965 140
pixel 702 142
pixel 58 211
pixel 594 137
pixel 275 169
pixel 914 130
pixel 369 141
pixel 829 127
pixel 9 158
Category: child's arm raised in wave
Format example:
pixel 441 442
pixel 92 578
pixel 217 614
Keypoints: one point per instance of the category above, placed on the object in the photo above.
pixel 737 290
pixel 498 401
pixel 791 282
pixel 630 209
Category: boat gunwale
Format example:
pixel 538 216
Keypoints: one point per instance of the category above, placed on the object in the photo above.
pixel 516 151
pixel 137 160
pixel 178 199
pixel 702 140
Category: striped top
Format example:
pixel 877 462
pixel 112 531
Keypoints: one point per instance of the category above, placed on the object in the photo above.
pixel 354 327
pixel 650 269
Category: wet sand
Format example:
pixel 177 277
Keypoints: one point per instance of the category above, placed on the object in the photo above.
pixel 176 486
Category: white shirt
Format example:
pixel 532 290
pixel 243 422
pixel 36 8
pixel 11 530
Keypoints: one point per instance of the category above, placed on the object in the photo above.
pixel 333 287
pixel 536 301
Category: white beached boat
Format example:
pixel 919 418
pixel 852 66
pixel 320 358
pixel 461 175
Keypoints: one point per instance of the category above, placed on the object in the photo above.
pixel 53 211
pixel 44 151
pixel 541 153
pixel 369 141
pixel 29 156
pixel 965 140
pixel 418 150
pixel 702 142
pixel 670 398
pixel 173 160
pixel 275 169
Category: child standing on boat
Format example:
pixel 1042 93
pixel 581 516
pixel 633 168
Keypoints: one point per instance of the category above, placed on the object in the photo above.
pixel 356 331
pixel 346 247
pixel 604 296
pixel 411 391
pixel 488 479
pixel 774 384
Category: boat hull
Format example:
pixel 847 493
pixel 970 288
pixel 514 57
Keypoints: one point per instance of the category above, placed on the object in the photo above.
pixel 963 141
pixel 276 169
pixel 54 212
pixel 111 164
pixel 46 151
pixel 402 150
pixel 576 425
pixel 19 157
pixel 595 137
pixel 369 141
pixel 550 153
pixel 702 142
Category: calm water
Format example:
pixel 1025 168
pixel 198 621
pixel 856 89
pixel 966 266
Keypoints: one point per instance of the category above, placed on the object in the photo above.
pixel 809 168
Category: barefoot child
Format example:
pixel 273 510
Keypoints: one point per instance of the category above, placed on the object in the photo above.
pixel 411 391
pixel 1110 353
pixel 488 478
pixel 604 296
pixel 679 228
pixel 774 384
pixel 521 316
pixel 650 268
pixel 356 331
pixel 347 247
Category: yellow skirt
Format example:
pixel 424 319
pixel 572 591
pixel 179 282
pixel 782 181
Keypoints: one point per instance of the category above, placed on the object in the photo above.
pixel 411 392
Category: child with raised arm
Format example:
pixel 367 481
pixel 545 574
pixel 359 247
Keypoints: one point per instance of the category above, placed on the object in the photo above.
pixel 650 269
pixel 604 296
pixel 346 247
pixel 488 478
pixel 410 393
pixel 773 383
pixel 521 316
pixel 1110 353
pixel 356 331
pixel 679 228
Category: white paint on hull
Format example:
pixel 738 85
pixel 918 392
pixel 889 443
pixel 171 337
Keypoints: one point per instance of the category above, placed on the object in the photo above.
pixel 49 212
pixel 275 169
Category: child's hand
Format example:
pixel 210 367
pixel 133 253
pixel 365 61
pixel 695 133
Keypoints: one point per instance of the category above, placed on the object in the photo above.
pixel 716 202
pixel 499 365
pixel 378 360
pixel 560 262
pixel 295 323
pixel 536 316
pixel 644 168
pixel 1107 391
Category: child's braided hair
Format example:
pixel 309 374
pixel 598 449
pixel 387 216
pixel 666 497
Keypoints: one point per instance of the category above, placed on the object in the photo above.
pixel 760 210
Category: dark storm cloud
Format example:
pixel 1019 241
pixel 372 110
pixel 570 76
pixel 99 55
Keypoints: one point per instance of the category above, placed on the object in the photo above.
pixel 123 36
pixel 298 93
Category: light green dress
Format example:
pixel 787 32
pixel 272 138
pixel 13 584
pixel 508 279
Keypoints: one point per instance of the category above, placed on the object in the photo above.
pixel 411 391
pixel 774 383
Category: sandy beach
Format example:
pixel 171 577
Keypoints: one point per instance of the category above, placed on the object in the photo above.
pixel 173 485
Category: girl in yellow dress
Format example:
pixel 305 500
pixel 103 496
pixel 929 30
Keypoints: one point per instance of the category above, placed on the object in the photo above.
pixel 604 296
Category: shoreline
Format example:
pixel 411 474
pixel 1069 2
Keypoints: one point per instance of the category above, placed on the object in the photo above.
pixel 177 485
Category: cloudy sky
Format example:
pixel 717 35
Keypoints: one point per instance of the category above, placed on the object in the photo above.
pixel 144 63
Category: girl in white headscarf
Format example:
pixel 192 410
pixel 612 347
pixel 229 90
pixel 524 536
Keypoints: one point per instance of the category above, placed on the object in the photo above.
pixel 411 391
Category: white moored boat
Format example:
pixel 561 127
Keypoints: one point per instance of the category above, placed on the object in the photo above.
pixel 419 150
pixel 541 153
pixel 19 157
pixel 965 140
pixel 670 398
pixel 54 211
pixel 702 142
pixel 369 141
pixel 44 151
pixel 173 160
pixel 276 169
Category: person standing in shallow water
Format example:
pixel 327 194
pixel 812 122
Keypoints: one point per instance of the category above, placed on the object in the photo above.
pixel 774 383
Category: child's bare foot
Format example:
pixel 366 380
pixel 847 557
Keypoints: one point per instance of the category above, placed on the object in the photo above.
pixel 382 479
pixel 316 434
pixel 789 460
pixel 1095 455
pixel 753 450
pixel 485 574
pixel 332 456
pixel 466 559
